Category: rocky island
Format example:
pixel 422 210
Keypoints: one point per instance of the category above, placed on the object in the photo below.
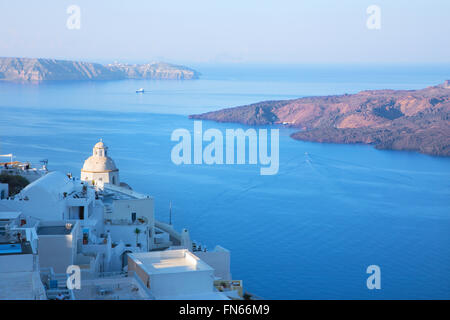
pixel 414 120
pixel 30 69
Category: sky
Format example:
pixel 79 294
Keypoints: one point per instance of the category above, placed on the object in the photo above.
pixel 228 31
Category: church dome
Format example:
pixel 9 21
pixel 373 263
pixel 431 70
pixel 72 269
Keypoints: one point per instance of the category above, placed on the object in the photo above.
pixel 99 161
pixel 99 164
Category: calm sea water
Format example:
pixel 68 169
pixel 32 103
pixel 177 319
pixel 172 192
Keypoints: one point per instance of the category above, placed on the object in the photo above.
pixel 308 232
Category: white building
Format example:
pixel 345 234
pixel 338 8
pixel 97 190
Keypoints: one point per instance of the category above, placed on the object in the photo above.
pixel 54 197
pixel 57 243
pixel 129 216
pixel 174 274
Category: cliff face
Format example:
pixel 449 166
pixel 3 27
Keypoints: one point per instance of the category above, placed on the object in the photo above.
pixel 416 120
pixel 25 69
pixel 158 70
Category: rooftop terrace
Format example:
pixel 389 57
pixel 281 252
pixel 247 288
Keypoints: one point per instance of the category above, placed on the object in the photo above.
pixel 169 261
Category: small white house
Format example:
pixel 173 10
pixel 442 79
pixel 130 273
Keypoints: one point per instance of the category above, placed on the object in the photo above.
pixel 129 216
pixel 172 273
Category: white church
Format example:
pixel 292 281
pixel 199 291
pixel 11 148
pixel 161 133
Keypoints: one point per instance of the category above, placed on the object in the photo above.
pixel 100 168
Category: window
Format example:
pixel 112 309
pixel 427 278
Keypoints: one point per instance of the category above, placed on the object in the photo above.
pixel 133 216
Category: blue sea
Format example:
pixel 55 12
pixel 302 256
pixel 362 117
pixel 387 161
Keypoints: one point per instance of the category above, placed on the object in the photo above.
pixel 308 232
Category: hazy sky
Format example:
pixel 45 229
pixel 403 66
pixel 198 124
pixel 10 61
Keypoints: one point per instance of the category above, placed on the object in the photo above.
pixel 281 31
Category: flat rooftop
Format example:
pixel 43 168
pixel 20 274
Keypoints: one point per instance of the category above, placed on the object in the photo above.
pixel 169 261
pixel 53 230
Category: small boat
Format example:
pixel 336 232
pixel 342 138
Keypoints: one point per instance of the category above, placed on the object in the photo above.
pixel 141 90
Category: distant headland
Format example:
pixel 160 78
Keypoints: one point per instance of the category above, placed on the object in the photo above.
pixel 33 69
pixel 414 120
